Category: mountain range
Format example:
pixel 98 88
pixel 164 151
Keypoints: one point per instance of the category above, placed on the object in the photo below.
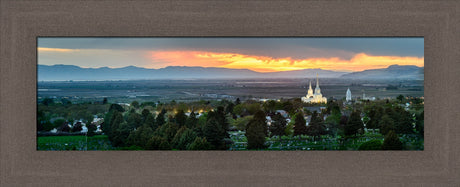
pixel 392 72
pixel 72 72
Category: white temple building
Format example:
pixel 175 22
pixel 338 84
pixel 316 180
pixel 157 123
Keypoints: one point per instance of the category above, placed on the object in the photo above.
pixel 348 96
pixel 315 97
pixel 368 98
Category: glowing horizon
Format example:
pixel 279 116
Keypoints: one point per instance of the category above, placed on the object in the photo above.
pixel 256 54
pixel 359 62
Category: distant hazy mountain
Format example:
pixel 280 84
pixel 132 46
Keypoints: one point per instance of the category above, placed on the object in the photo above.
pixel 306 73
pixel 392 72
pixel 70 72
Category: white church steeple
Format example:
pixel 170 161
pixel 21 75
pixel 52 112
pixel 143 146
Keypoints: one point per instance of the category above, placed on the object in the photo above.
pixel 310 91
pixel 317 89
pixel 348 98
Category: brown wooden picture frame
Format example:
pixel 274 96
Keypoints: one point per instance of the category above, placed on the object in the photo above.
pixel 21 22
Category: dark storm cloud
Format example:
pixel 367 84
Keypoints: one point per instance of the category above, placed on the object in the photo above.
pixel 297 48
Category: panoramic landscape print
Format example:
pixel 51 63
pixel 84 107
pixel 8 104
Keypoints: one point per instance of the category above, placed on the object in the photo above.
pixel 234 94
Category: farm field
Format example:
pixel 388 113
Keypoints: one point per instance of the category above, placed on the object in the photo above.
pixel 195 90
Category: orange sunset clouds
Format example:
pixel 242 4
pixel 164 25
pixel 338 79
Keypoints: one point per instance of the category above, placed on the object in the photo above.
pixel 358 62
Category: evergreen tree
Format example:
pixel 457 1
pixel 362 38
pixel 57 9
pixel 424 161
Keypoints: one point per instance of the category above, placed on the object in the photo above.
pixel 150 121
pixel 199 144
pixel 315 117
pixel 229 108
pixel 180 118
pixel 134 120
pixel 135 104
pixel 120 135
pixel 91 129
pixel 342 124
pixel 218 121
pixel 116 120
pixel 386 125
pixel 116 107
pixel 158 143
pixel 160 120
pixel 289 107
pixel 400 98
pixel 212 131
pixel 354 124
pixel 59 122
pixel 300 125
pixel 140 136
pixel 375 113
pixel 332 122
pixel 145 113
pixel 257 131
pixel 278 125
pixel 223 122
pixel 183 138
pixel 269 106
pixel 332 107
pixel 316 127
pixel 419 123
pixel 65 102
pixel 392 142
pixel 47 101
pixel 200 126
pixel 167 131
pixel 241 123
pixel 41 119
pixel 237 102
pixel 191 121
pixel 403 121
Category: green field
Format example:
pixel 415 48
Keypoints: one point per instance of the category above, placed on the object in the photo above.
pixel 99 142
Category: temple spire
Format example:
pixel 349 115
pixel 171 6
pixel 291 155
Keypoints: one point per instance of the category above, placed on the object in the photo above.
pixel 309 86
pixel 317 82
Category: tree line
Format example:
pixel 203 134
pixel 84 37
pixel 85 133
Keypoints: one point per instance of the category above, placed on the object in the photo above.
pixel 145 131
pixel 165 126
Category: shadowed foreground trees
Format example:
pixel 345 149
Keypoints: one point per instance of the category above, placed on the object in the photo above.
pixel 300 125
pixel 215 129
pixel 141 128
pixel 392 142
pixel 354 124
pixel 316 127
pixel 183 137
pixel 158 143
pixel 278 125
pixel 256 131
pixel 199 144
pixel 386 125
pixel 181 132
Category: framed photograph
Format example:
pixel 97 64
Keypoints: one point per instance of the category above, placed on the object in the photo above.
pixel 229 93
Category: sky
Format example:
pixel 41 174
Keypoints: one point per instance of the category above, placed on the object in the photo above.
pixel 257 54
